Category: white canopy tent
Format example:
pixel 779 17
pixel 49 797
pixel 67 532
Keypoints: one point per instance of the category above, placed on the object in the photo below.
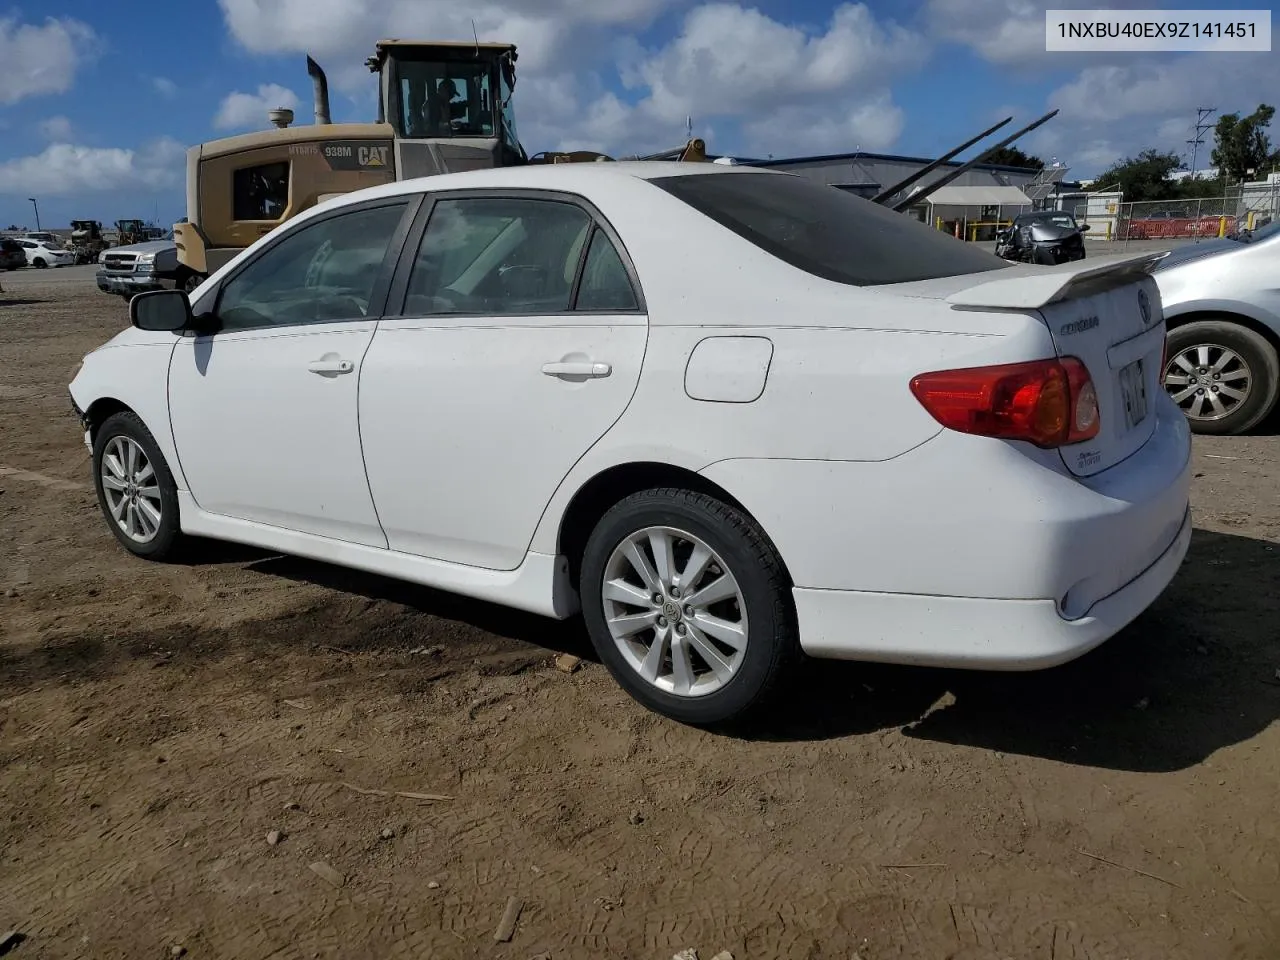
pixel 970 205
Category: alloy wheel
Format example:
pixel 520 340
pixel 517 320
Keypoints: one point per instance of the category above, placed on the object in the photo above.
pixel 1208 381
pixel 675 611
pixel 131 488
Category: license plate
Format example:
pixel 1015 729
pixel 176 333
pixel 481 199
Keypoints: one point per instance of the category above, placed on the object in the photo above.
pixel 1133 391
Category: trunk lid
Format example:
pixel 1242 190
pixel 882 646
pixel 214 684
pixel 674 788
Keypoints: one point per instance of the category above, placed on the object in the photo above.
pixel 1107 313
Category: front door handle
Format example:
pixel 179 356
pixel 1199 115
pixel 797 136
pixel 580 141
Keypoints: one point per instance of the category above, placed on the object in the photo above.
pixel 577 368
pixel 330 366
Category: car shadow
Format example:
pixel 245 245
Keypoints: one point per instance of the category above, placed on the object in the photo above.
pixel 1195 674
pixel 19 301
pixel 558 636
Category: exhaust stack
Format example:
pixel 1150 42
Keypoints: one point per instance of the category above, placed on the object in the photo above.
pixel 320 86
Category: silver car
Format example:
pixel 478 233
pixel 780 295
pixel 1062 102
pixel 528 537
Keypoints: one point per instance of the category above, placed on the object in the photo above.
pixel 1222 305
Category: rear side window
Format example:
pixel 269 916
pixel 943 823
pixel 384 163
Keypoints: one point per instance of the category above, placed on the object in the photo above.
pixel 828 232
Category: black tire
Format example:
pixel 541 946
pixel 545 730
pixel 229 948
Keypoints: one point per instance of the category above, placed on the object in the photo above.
pixel 189 282
pixel 772 636
pixel 168 539
pixel 1256 354
pixel 39 263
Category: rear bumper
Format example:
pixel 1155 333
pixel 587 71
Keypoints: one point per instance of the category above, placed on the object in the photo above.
pixel 974 633
pixel 125 284
pixel 972 551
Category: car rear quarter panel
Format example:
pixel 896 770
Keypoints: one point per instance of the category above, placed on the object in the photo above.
pixel 1242 282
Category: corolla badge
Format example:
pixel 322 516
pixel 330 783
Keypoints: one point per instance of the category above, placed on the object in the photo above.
pixel 1144 307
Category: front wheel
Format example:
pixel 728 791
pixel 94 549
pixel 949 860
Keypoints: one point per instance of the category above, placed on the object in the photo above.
pixel 135 488
pixel 688 605
pixel 1224 376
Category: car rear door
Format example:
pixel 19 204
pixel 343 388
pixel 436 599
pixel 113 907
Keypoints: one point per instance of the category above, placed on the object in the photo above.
pixel 518 344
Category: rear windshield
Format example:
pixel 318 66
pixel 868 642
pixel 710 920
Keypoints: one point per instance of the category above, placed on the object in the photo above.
pixel 828 232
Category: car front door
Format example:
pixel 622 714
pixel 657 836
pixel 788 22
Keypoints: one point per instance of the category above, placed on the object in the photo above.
pixel 264 409
pixel 518 345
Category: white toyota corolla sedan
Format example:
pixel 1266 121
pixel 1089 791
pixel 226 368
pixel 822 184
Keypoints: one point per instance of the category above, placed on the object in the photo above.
pixel 728 414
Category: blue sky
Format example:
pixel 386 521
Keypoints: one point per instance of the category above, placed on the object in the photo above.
pixel 99 102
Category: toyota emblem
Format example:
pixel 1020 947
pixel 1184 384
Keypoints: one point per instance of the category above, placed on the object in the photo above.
pixel 1144 306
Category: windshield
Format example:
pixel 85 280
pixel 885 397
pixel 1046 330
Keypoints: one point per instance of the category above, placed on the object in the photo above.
pixel 442 98
pixel 1057 219
pixel 827 232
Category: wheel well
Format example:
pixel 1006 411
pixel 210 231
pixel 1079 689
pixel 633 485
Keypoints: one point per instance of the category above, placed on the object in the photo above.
pixel 98 412
pixel 1261 329
pixel 605 489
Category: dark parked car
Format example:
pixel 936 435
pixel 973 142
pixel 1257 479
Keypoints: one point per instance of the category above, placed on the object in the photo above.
pixel 1046 236
pixel 12 255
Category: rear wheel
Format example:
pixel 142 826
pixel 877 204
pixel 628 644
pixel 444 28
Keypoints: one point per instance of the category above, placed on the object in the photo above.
pixel 1224 376
pixel 688 605
pixel 135 488
pixel 39 263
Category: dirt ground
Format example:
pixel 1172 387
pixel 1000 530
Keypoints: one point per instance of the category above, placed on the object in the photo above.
pixel 156 722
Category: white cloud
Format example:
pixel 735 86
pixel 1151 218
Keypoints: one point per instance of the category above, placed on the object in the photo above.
pixel 340 33
pixel 57 129
pixel 64 169
pixel 730 60
pixel 42 59
pixel 791 89
pixel 1114 110
pixel 872 125
pixel 1001 31
pixel 165 87
pixel 248 110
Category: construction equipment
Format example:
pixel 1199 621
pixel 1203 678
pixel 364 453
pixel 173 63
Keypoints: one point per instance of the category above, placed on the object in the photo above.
pixel 86 240
pixel 442 108
pixel 130 231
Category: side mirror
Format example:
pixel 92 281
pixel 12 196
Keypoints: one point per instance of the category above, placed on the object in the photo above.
pixel 1084 228
pixel 161 310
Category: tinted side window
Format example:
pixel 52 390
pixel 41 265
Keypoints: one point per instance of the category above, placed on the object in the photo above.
pixel 495 256
pixel 605 284
pixel 323 271
pixel 828 232
pixel 261 192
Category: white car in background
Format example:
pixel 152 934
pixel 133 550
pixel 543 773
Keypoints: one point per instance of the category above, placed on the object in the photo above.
pixel 728 414
pixel 41 253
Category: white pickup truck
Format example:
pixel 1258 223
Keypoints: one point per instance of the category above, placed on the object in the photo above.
pixel 139 267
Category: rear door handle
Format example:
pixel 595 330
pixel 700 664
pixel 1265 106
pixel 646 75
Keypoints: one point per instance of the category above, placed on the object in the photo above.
pixel 580 368
pixel 331 366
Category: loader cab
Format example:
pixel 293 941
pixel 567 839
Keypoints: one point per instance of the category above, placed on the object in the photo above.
pixel 450 105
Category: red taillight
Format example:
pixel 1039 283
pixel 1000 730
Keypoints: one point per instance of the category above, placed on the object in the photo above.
pixel 1045 402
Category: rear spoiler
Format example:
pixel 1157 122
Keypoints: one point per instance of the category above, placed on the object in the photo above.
pixel 1033 290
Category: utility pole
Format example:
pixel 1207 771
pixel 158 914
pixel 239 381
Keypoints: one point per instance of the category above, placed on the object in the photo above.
pixel 1198 141
pixel 37 206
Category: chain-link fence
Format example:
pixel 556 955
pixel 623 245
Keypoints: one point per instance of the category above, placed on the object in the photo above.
pixel 1246 207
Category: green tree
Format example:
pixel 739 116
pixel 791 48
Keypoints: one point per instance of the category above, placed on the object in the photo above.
pixel 1144 177
pixel 1013 157
pixel 1241 144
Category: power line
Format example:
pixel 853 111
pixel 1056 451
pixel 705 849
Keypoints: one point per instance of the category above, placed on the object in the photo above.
pixel 1198 141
